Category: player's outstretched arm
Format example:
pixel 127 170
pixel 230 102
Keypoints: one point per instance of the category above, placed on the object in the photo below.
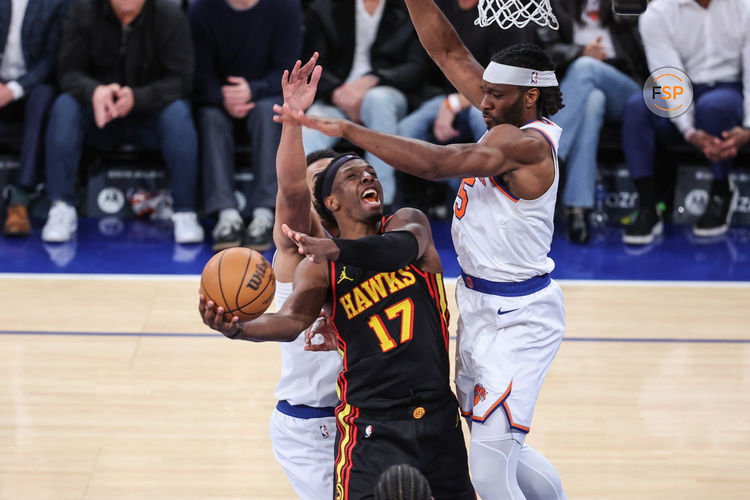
pixel 300 310
pixel 444 46
pixel 293 199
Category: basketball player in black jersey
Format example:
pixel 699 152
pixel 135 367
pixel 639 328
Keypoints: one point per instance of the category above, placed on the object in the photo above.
pixel 392 327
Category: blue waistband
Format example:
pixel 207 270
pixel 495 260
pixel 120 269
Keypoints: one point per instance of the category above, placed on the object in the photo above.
pixel 506 289
pixel 304 411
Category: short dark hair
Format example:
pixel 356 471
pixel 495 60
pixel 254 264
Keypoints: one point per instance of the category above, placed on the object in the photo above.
pixel 319 155
pixel 525 55
pixel 402 482
pixel 318 200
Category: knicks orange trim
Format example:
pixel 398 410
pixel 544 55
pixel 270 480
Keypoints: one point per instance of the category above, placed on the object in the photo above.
pixel 501 403
pixel 502 190
pixel 465 413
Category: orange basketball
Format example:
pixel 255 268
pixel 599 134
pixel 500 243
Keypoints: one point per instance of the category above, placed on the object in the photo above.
pixel 241 281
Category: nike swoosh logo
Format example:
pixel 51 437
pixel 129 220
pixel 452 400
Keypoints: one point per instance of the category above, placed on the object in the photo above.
pixel 501 312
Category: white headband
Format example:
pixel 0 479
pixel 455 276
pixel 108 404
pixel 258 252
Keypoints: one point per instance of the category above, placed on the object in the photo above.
pixel 523 77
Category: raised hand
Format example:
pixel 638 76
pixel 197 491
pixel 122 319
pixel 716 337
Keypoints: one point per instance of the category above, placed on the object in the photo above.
pixel 316 249
pixel 299 86
pixel 332 127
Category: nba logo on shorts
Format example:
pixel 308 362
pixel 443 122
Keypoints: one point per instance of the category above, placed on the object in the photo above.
pixel 534 77
pixel 368 431
pixel 324 431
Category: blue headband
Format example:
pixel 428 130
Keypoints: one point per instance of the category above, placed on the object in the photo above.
pixel 330 174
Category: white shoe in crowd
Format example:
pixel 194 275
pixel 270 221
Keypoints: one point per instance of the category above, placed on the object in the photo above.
pixel 187 229
pixel 62 223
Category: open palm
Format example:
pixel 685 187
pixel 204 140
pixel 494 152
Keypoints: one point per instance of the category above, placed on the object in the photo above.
pixel 299 86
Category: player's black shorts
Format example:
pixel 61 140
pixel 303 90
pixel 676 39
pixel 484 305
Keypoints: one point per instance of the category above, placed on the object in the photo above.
pixel 426 436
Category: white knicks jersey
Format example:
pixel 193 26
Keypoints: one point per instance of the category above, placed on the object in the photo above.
pixel 307 378
pixel 499 237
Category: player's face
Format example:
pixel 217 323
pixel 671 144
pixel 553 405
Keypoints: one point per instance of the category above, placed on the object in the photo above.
pixel 358 190
pixel 502 104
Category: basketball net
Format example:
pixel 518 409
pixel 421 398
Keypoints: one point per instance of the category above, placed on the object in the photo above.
pixel 518 13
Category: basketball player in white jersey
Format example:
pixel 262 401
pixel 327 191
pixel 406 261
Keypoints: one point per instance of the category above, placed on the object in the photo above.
pixel 303 426
pixel 512 316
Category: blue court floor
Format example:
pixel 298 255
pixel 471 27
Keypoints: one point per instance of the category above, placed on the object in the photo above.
pixel 117 246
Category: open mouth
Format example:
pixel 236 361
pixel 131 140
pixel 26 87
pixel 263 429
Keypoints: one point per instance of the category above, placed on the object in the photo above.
pixel 370 197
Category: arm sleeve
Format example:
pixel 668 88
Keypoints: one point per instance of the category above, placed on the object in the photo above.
pixel 661 52
pixel 388 252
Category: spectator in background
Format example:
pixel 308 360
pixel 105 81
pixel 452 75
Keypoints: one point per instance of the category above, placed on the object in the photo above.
pixel 446 116
pixel 709 41
pixel 373 66
pixel 241 48
pixel 600 61
pixel 29 34
pixel 125 69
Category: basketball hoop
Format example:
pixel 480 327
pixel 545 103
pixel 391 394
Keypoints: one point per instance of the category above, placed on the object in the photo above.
pixel 518 13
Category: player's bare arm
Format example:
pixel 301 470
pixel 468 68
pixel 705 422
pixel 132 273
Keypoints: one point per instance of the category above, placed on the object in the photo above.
pixel 293 199
pixel 504 150
pixel 299 311
pixel 387 252
pixel 444 46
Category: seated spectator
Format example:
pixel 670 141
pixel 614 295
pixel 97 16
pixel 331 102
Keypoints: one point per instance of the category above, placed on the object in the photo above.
pixel 601 64
pixel 446 116
pixel 373 66
pixel 29 34
pixel 241 50
pixel 708 40
pixel 125 69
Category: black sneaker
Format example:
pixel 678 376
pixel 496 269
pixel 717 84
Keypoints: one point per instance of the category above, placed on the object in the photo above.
pixel 647 226
pixel 227 234
pixel 578 225
pixel 715 220
pixel 259 234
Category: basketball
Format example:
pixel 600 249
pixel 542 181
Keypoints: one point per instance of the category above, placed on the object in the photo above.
pixel 241 281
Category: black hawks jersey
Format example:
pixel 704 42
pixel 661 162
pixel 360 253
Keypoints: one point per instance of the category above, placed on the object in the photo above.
pixel 393 336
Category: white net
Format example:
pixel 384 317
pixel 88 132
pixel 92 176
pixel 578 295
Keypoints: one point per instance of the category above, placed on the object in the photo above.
pixel 518 13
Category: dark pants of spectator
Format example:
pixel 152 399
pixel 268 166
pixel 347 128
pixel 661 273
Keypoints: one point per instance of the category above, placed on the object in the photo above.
pixel 717 108
pixel 171 130
pixel 217 154
pixel 30 114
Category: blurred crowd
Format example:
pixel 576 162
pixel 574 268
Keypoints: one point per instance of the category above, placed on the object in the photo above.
pixel 192 78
